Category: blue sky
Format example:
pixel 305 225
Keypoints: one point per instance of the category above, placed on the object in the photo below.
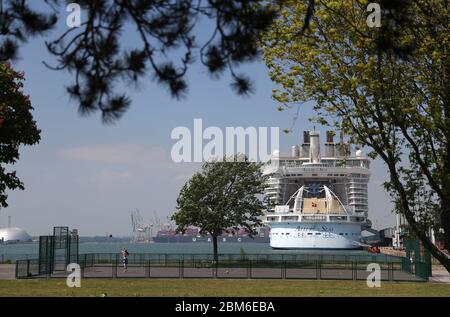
pixel 91 176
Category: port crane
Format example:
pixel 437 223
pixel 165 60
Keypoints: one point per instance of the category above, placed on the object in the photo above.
pixel 141 232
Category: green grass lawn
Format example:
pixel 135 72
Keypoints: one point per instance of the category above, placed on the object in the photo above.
pixel 219 288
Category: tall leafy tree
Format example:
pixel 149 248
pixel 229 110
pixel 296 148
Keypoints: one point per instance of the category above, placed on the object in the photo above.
pixel 17 127
pixel 399 106
pixel 100 55
pixel 223 195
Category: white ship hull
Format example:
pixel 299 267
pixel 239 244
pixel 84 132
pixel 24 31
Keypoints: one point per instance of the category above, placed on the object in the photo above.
pixel 319 235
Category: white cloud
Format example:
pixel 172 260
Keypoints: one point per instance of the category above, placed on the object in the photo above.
pixel 107 179
pixel 117 166
pixel 128 154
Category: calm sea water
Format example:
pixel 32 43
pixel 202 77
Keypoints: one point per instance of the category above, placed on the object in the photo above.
pixel 31 250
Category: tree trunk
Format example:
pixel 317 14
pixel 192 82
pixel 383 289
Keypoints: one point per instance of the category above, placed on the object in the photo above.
pixel 216 255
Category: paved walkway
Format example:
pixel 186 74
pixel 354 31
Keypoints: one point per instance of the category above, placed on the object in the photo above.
pixel 440 276
pixel 136 271
pixel 7 271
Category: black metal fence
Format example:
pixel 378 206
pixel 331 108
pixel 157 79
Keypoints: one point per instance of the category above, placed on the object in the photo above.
pixel 99 258
pixel 418 259
pixel 46 254
pixel 238 266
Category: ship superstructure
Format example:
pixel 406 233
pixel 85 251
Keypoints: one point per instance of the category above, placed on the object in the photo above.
pixel 318 201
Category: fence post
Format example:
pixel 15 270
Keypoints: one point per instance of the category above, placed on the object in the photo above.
pixel 181 268
pixel 49 272
pixel 147 269
pixel 353 270
pixel 249 269
pixel 114 266
pixel 391 271
pixel 216 268
pixel 318 270
pixel 283 270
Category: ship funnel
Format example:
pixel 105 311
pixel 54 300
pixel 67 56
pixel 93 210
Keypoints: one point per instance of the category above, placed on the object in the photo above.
pixel 330 136
pixel 341 149
pixel 329 145
pixel 306 144
pixel 306 138
pixel 314 150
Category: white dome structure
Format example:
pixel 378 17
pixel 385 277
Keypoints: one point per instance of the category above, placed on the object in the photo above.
pixel 14 235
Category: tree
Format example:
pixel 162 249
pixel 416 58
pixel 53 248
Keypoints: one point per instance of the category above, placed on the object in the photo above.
pixel 99 54
pixel 98 57
pixel 223 195
pixel 399 106
pixel 17 127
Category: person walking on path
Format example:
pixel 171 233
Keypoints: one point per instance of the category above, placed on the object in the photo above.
pixel 125 259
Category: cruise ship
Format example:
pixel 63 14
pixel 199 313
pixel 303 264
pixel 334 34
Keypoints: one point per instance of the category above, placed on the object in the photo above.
pixel 317 201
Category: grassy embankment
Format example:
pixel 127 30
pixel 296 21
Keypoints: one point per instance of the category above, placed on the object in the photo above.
pixel 220 288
